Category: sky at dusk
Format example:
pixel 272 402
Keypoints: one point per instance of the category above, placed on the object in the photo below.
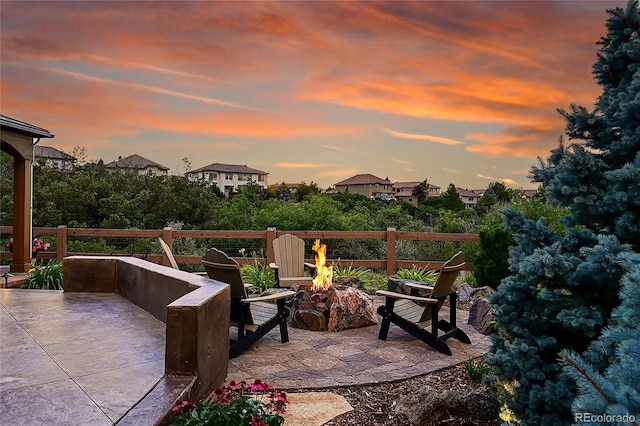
pixel 462 92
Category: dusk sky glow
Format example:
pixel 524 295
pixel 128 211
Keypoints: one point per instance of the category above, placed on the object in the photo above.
pixel 448 91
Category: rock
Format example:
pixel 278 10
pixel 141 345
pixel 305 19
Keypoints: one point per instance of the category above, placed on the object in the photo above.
pixel 464 292
pixel 481 316
pixel 481 293
pixel 315 408
pixel 427 406
pixel 339 308
pixel 349 308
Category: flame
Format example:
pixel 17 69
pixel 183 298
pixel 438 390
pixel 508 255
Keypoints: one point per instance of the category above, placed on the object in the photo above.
pixel 324 274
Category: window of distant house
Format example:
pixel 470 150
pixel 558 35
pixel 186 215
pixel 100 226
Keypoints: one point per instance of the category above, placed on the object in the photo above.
pixel 244 177
pixel 151 172
pixel 228 176
pixel 212 176
pixel 261 178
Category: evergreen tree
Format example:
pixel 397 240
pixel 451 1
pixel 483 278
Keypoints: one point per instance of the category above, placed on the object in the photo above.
pixel 564 285
pixel 616 392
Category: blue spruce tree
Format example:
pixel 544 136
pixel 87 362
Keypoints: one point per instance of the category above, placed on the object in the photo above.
pixel 563 287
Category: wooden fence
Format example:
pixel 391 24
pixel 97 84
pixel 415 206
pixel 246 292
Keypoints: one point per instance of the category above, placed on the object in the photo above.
pixel 391 236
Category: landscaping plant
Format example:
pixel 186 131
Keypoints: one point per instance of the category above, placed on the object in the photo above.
pixel 236 404
pixel 45 277
pixel 477 369
pixel 416 273
pixel 565 283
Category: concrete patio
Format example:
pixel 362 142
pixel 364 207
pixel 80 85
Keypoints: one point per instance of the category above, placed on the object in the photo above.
pixel 89 358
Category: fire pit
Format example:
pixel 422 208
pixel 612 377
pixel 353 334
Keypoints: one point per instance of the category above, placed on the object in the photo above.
pixel 325 306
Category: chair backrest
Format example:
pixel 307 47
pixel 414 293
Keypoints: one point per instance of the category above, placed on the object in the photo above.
pixel 221 267
pixel 288 251
pixel 444 284
pixel 448 275
pixel 168 253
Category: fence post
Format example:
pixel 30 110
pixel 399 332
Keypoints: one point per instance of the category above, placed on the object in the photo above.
pixel 61 242
pixel 391 251
pixel 271 235
pixel 167 237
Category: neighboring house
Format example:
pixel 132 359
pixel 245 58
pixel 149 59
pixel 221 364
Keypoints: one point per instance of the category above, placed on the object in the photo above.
pixel 403 191
pixel 53 157
pixel 368 185
pixel 529 193
pixel 469 198
pixel 229 177
pixel 139 165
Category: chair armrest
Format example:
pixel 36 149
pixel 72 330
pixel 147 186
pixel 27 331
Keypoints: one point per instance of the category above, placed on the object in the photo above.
pixel 393 295
pixel 273 266
pixel 418 286
pixel 270 297
pixel 310 265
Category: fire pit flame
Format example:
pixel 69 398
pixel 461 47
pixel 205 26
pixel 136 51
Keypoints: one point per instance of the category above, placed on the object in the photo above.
pixel 324 274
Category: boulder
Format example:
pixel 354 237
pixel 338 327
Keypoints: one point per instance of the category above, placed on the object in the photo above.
pixel 336 309
pixel 349 308
pixel 481 293
pixel 464 292
pixel 427 406
pixel 481 316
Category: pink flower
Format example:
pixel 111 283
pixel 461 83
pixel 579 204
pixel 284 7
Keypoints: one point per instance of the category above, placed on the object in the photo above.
pixel 259 386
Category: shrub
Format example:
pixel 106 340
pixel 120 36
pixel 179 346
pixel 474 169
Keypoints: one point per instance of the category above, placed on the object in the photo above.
pixel 477 369
pixel 261 276
pixel 492 261
pixel 45 277
pixel 416 273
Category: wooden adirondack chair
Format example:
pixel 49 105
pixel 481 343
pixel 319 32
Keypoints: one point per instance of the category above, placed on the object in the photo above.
pixel 254 317
pixel 415 313
pixel 167 252
pixel 289 265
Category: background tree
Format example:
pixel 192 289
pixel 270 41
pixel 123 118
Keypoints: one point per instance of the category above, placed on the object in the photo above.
pixel 421 191
pixel 565 284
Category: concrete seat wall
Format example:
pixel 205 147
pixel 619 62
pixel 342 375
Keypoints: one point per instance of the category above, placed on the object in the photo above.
pixel 194 308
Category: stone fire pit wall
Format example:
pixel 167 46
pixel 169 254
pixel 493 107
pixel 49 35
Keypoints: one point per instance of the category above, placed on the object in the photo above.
pixel 195 310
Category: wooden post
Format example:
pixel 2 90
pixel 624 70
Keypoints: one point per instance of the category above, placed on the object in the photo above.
pixel 61 245
pixel 21 215
pixel 271 235
pixel 391 251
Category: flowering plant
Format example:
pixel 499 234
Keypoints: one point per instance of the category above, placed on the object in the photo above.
pixel 236 404
pixel 38 245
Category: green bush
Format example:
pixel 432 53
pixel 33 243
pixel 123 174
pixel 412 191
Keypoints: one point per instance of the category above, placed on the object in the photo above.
pixel 492 260
pixel 261 276
pixel 477 369
pixel 416 273
pixel 46 277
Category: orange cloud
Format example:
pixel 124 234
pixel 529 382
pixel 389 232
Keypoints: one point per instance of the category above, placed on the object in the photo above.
pixel 426 138
pixel 299 165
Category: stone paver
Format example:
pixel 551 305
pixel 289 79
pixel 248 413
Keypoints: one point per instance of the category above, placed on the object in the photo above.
pixel 320 359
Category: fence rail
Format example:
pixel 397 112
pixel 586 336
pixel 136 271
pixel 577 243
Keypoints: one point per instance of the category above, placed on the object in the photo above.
pixel 387 242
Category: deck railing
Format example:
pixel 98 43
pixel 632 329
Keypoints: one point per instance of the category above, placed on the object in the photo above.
pixel 390 242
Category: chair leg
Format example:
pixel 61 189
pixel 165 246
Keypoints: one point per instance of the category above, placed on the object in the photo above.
pixel 283 313
pixel 451 328
pixel 385 312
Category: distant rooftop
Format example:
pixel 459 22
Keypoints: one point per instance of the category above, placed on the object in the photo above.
pixel 135 162
pixel 364 179
pixel 53 153
pixel 229 168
